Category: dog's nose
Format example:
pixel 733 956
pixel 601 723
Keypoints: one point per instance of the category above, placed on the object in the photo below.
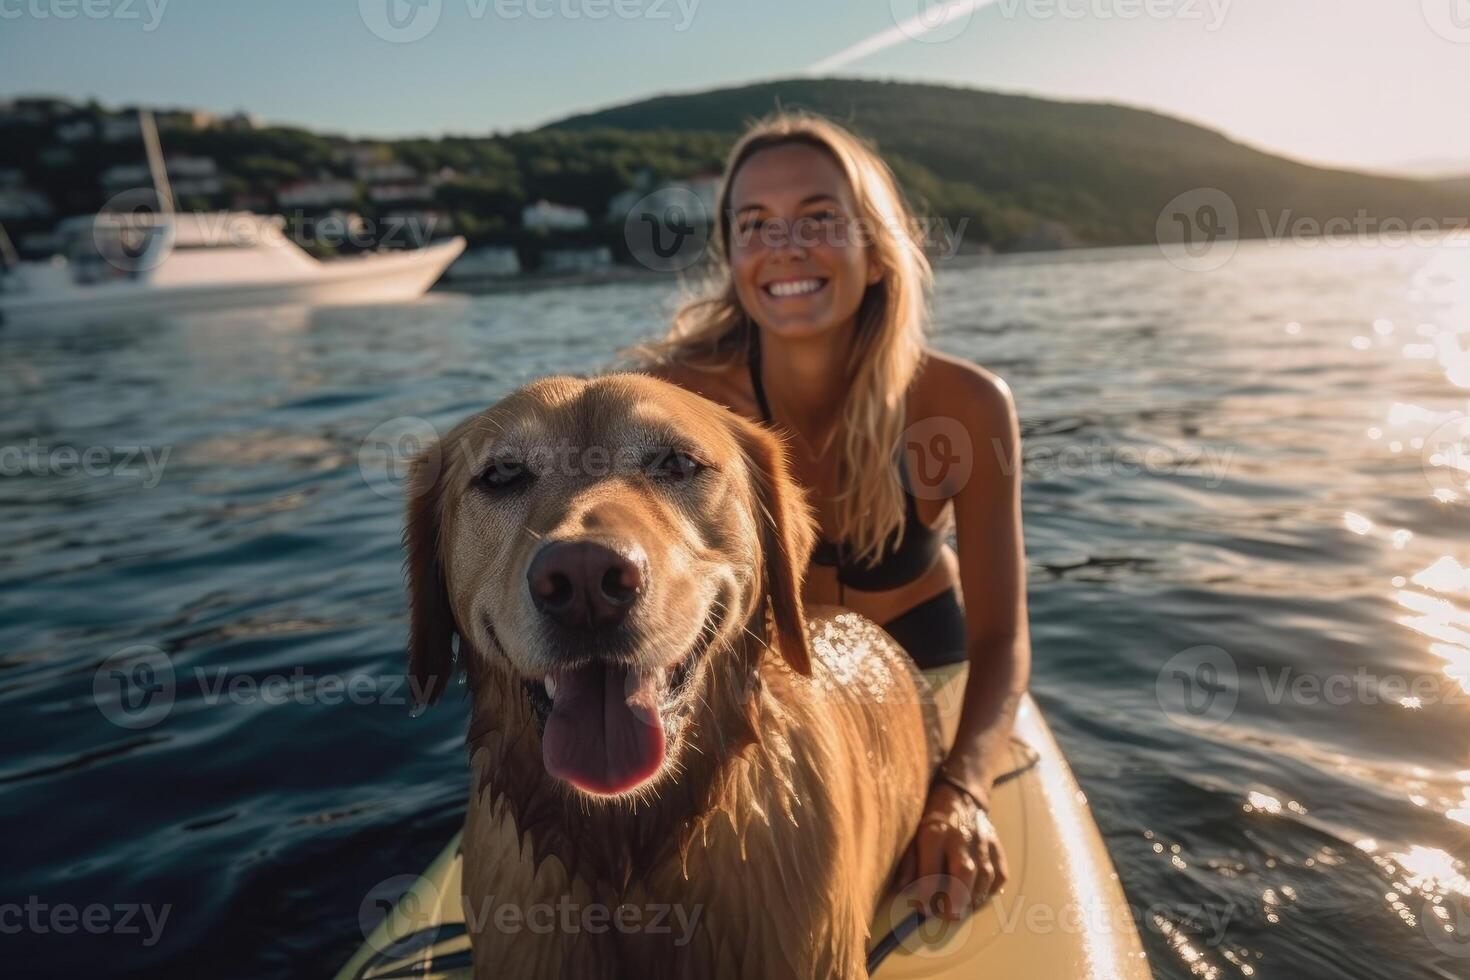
pixel 585 584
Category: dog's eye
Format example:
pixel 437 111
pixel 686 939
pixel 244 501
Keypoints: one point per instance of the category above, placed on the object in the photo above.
pixel 673 465
pixel 503 474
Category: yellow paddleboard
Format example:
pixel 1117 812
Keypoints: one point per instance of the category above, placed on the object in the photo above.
pixel 1063 915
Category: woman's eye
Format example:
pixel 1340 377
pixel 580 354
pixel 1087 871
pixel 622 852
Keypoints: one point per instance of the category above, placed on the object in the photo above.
pixel 831 220
pixel 504 474
pixel 673 466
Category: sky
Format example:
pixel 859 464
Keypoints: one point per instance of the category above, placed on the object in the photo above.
pixel 1368 84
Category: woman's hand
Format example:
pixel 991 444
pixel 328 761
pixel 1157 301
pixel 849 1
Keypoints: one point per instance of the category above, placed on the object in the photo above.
pixel 955 858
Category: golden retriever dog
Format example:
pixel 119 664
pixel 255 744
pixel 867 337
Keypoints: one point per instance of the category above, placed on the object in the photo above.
pixel 677 771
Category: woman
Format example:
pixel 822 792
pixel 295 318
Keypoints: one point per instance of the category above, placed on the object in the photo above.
pixel 816 325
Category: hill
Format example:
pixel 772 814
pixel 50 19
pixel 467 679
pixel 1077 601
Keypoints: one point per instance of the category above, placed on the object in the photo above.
pixel 1104 171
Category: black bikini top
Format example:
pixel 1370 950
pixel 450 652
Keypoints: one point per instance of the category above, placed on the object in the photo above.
pixel 915 552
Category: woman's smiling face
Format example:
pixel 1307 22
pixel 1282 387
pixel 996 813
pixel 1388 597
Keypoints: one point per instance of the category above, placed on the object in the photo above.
pixel 798 259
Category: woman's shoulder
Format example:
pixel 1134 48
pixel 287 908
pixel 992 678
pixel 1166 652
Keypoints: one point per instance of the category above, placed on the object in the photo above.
pixel 954 387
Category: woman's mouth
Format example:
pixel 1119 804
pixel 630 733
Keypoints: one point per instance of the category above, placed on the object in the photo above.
pixel 789 288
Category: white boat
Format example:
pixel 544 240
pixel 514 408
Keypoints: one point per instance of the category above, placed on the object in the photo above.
pixel 130 264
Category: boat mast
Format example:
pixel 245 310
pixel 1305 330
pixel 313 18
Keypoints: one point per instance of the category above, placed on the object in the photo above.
pixel 9 259
pixel 156 166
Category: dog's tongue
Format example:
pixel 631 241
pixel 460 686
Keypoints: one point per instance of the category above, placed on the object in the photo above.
pixel 605 734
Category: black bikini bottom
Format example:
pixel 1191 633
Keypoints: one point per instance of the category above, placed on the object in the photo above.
pixel 933 632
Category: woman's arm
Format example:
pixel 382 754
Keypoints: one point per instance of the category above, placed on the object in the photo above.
pixel 956 857
pixel 993 579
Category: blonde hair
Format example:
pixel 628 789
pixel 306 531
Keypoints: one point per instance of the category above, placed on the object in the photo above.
pixel 712 331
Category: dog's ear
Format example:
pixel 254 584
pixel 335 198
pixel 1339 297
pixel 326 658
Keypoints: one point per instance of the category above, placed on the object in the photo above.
pixel 431 621
pixel 787 536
